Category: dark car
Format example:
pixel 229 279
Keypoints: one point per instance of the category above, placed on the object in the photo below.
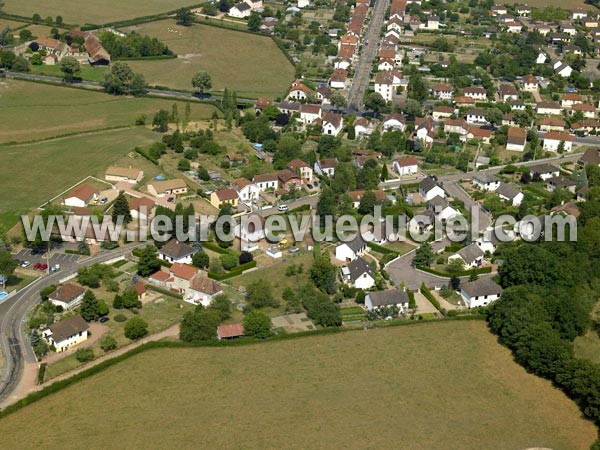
pixel 104 319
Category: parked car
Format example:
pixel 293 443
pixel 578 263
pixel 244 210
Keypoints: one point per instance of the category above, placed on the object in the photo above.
pixel 283 207
pixel 37 266
pixel 104 319
pixel 294 250
pixel 103 200
pixel 43 267
pixel 25 264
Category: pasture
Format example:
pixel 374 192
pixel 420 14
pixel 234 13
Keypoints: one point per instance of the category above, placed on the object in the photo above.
pixel 104 11
pixel 57 110
pixel 33 173
pixel 438 385
pixel 249 64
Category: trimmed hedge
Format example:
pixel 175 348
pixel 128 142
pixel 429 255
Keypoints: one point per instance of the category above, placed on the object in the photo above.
pixel 216 248
pixel 160 290
pixel 233 272
pixel 41 373
pixel 464 273
pixel 429 296
pixel 144 154
pixel 411 299
pixel 381 249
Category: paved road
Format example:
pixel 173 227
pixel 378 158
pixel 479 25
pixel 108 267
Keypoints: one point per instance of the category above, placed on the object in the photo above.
pixel 14 343
pixel 362 72
pixel 98 86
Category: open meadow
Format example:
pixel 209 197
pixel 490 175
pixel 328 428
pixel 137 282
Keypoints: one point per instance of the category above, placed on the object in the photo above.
pixel 443 385
pixel 103 11
pixel 249 64
pixel 36 172
pixel 55 110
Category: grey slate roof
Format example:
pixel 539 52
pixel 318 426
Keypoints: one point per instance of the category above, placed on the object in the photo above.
pixel 509 191
pixel 427 184
pixel 438 201
pixel 482 286
pixel 389 297
pixel 470 253
pixel 176 249
pixel 543 169
pixel 357 244
pixel 358 267
pixel 486 178
pixel 68 327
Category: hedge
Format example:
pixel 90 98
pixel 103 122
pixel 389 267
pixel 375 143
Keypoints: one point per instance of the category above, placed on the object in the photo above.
pixel 160 290
pixel 233 272
pixel 145 58
pixel 145 154
pixel 216 248
pixel 381 249
pixel 41 373
pixel 411 299
pixel 429 296
pixel 464 273
pixel 60 385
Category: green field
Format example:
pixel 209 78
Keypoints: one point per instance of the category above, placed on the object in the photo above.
pixel 88 72
pixel 103 11
pixel 55 110
pixel 446 385
pixel 251 65
pixel 33 173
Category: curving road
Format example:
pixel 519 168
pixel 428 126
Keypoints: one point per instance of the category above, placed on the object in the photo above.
pixel 14 343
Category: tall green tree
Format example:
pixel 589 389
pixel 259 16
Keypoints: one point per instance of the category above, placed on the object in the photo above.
pixel 70 68
pixel 90 307
pixel 121 209
pixel 184 17
pixel 148 262
pixel 7 266
pixel 202 82
pixel 257 324
pixel 136 328
pixel 424 255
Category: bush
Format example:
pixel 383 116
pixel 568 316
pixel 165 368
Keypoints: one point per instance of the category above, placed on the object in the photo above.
pixel 136 328
pixel 108 343
pixel 120 318
pixel 84 354
pixel 257 324
pixel 41 373
pixel 245 257
pixel 229 261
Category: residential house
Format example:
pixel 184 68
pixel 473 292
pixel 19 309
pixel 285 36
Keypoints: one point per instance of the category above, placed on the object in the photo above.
pixel 356 196
pixel 54 46
pixel 424 130
pixel 394 122
pixel 591 156
pixel 359 274
pixel 391 297
pixel 81 196
pixel 288 180
pixel 477 93
pixel 326 167
pixel 180 277
pixel 586 126
pixel 552 124
pixel 442 112
pixel 513 27
pixel 299 91
pixel 481 134
pixel 480 292
pixel 508 92
pixel 141 208
pixel 516 139
pixel 548 108
pixel 339 79
pixel 561 182
pixel 510 193
pixel 66 333
pixel 476 115
pixel 486 181
pixel 349 251
pixel 463 101
pixel 126 174
pixel 363 127
pixel 240 10
pixel 422 222
pixel 544 171
pixel 176 252
pixel 332 124
pixel 458 126
pixel 301 168
pixel 443 91
pixel 385 64
pixel 471 256
pixel 406 165
pixel 202 290
pixel 67 296
pixel 554 140
pixel 530 83
pixel 266 181
pixel 224 196
pixel 324 94
pixel 588 111
pixel 309 113
pixel 428 189
pixel 384 84
pixel 167 188
pixel 570 99
pixel 442 209
pixel 247 191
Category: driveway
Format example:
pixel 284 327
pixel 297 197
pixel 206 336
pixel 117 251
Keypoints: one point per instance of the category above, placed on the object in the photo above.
pixel 424 306
pixel 401 270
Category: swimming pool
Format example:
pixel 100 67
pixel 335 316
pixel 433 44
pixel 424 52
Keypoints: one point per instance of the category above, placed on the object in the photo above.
pixel 3 295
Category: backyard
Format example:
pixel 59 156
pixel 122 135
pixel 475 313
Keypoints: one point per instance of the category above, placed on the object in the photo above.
pixel 436 385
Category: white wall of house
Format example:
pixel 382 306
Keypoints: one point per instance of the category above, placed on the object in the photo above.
pixel 482 300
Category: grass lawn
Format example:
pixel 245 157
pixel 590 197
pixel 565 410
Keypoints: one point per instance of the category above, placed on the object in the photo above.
pixel 19 280
pixel 104 11
pixel 588 346
pixel 42 170
pixel 87 72
pixel 353 314
pixel 160 315
pixel 440 385
pixel 400 247
pixel 251 65
pixel 57 110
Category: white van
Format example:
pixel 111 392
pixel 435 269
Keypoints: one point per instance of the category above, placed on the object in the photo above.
pixel 283 207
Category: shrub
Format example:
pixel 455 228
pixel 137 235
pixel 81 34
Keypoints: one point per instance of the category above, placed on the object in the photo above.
pixel 84 354
pixel 120 318
pixel 136 328
pixel 108 343
pixel 245 257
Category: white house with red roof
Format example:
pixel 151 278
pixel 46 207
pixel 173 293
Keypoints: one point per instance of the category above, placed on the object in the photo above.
pixel 407 165
pixel 81 196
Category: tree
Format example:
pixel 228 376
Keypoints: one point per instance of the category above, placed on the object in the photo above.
pixel 245 257
pixel 257 324
pixel 324 275
pixel 7 59
pixel 160 122
pixel 184 17
pixel 456 266
pixel 376 103
pixel 254 21
pixel 7 266
pixel 367 203
pixel 229 261
pixel 90 307
pixel 59 20
pixel 202 82
pixel 20 64
pixel 384 172
pixel 36 18
pixel 454 283
pixel 136 328
pixel 222 304
pixel 326 204
pixel 417 89
pixel 121 209
pixel 259 294
pixel 338 100
pixel 121 80
pixel 130 299
pixel 108 343
pixel 70 68
pixel 148 262
pixel 200 325
pixel 424 255
pixel 200 260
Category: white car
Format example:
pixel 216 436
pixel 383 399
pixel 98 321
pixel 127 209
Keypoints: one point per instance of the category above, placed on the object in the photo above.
pixel 283 207
pixel 25 264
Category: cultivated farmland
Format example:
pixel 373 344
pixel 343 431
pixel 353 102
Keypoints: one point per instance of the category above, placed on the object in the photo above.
pixel 439 385
pixel 33 173
pixel 251 65
pixel 103 11
pixel 59 110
